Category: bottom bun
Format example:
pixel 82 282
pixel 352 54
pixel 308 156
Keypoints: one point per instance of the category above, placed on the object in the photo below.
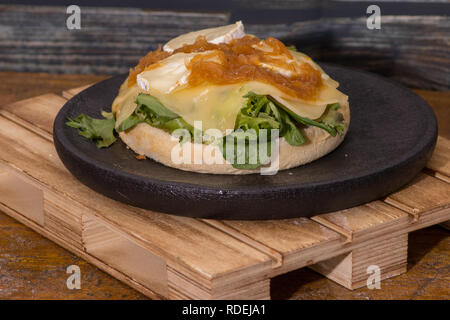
pixel 159 145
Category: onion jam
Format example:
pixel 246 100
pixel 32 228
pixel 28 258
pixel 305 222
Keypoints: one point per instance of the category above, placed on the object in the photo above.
pixel 244 59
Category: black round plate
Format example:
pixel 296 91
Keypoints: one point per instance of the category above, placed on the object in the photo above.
pixel 392 135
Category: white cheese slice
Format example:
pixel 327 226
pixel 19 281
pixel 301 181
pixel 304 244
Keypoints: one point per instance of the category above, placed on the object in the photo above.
pixel 218 105
pixel 124 105
pixel 214 35
pixel 170 74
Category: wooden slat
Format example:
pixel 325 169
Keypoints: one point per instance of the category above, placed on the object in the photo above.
pixel 206 252
pixel 223 226
pixel 39 112
pixel 74 91
pixel 421 199
pixel 350 270
pixel 423 194
pixel 439 176
pixel 440 160
pixel 125 255
pixel 291 239
pixel 64 224
pixel 364 221
pixel 298 233
pixel 446 224
pixel 332 226
pixel 19 195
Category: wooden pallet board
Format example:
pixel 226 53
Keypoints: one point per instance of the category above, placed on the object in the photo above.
pixel 172 257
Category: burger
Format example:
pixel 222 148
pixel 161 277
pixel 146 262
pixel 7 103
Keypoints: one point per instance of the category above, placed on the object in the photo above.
pixel 221 101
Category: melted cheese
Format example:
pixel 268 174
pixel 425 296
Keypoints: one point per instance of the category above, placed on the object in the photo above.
pixel 217 105
pixel 213 35
pixel 170 74
pixel 124 105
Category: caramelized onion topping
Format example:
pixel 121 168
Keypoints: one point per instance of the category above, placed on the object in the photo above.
pixel 244 59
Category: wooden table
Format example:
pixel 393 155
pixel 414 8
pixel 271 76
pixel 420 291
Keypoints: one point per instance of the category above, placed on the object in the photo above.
pixel 32 267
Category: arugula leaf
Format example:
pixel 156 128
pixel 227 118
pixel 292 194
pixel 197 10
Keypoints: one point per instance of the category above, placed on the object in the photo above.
pixel 148 110
pixel 151 111
pixel 178 123
pixel 331 127
pixel 130 122
pixel 261 113
pixel 255 103
pixel 245 150
pixel 291 133
pixel 332 118
pixel 258 113
pixel 99 130
pixel 264 121
pixel 264 112
pixel 156 112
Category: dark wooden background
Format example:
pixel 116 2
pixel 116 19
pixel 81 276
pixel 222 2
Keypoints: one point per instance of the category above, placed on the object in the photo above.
pixel 412 45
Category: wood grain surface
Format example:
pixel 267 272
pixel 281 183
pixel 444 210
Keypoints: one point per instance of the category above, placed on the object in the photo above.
pixel 33 267
pixel 411 46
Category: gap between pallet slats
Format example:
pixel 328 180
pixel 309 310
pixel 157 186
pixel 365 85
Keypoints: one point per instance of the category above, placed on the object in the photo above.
pixel 275 255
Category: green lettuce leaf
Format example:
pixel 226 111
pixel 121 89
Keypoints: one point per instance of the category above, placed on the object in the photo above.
pixel 99 130
pixel 258 112
pixel 264 112
pixel 333 118
pixel 130 122
pixel 332 127
pixel 155 111
pixel 246 154
pixel 291 132
pixel 150 110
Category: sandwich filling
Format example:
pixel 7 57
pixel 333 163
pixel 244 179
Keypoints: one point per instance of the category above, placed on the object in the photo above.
pixel 237 86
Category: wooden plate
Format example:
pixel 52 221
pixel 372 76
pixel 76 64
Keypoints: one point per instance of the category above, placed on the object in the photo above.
pixel 392 135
